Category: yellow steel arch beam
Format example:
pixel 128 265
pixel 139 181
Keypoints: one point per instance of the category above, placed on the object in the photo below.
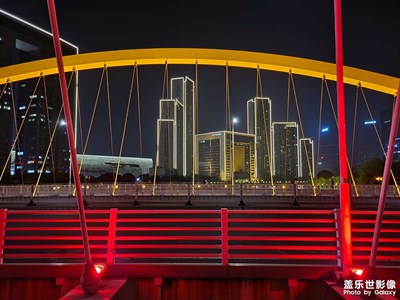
pixel 233 58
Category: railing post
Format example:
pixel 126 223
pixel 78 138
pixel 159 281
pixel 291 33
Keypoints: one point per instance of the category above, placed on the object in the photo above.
pixel 112 230
pixel 224 236
pixel 188 203
pixel 3 217
pixel 136 202
pixel 339 239
pixel 241 203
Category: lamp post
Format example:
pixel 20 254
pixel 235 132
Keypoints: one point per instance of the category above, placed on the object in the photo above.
pixel 234 121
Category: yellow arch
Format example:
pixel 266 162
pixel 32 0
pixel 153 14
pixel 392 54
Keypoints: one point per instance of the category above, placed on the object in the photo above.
pixel 307 67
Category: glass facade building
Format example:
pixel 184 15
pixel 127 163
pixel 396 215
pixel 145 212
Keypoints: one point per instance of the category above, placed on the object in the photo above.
pixel 259 124
pixel 285 151
pixel 182 89
pixel 215 151
pixel 306 148
pixel 36 103
pixel 170 137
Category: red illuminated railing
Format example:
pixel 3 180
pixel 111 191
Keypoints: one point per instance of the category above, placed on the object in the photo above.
pixel 221 237
pixel 389 242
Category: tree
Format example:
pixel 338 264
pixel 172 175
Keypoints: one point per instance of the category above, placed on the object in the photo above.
pixel 370 170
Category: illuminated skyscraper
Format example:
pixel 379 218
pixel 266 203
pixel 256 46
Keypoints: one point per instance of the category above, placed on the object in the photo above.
pixel 285 150
pixel 259 124
pixel 6 117
pixel 214 155
pixel 170 137
pixel 182 89
pixel 22 42
pixel 306 148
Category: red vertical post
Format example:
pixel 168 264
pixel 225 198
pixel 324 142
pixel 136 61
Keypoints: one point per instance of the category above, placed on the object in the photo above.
pixel 385 180
pixel 68 120
pixel 90 280
pixel 224 236
pixel 3 218
pixel 112 230
pixel 344 186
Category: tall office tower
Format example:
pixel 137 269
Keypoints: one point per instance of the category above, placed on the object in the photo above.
pixel 285 150
pixel 306 148
pixel 259 124
pixel 170 137
pixel 40 101
pixel 328 152
pixel 367 142
pixel 6 122
pixel 182 89
pixel 215 154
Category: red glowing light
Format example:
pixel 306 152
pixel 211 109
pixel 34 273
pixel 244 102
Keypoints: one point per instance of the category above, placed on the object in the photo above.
pixel 100 268
pixel 358 272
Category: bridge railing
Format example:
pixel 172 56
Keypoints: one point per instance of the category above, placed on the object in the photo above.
pixel 184 189
pixel 220 237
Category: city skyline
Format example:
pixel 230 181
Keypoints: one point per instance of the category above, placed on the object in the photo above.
pixel 206 81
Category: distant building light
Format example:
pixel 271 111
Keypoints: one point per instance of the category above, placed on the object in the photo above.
pixel 370 122
pixel 63 123
pixel 22 107
pixel 20 153
pixel 320 163
pixel 31 171
pixel 326 129
pixel 387 121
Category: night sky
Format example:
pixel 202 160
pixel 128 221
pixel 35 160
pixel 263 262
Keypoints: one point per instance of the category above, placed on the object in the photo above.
pixel 296 28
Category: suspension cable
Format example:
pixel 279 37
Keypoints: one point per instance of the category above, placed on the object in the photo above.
pixel 347 159
pixel 109 113
pixel 49 132
pixel 171 163
pixel 139 112
pixel 47 152
pixel 287 120
pixel 91 120
pixel 4 89
pixel 266 135
pixel 195 124
pixel 320 121
pixel 51 138
pixel 354 126
pixel 302 133
pixel 159 129
pixel 20 127
pixel 124 130
pixel 378 136
pixel 81 130
pixel 16 128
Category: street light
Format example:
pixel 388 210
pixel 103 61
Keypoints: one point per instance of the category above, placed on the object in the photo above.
pixel 234 121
